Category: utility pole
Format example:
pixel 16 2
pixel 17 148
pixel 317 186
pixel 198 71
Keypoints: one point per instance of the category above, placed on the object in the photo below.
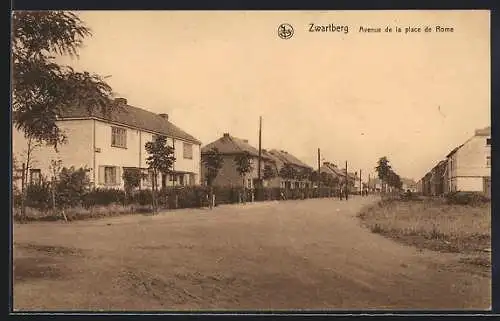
pixel 360 184
pixel 346 183
pixel 260 151
pixel 319 171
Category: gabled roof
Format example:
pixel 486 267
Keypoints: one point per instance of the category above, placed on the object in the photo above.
pixel 287 158
pixel 230 145
pixel 332 169
pixel 276 160
pixel 134 117
pixel 479 132
pixel 454 150
pixel 483 131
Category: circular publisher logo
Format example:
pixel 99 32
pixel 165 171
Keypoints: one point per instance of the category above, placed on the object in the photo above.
pixel 285 31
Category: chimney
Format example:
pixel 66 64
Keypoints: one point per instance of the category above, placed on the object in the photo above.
pixel 164 116
pixel 121 101
pixel 225 135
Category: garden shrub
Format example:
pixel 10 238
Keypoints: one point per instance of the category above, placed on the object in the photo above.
pixel 466 198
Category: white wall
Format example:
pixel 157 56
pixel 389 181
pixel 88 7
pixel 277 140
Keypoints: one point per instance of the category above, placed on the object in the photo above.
pixel 135 154
pixel 468 166
pixel 81 144
pixel 471 158
pixel 77 151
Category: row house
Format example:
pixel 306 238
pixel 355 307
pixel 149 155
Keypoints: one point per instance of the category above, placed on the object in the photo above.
pixel 339 174
pixel 230 147
pixel 107 144
pixel 284 160
pixel 275 160
pixel 437 179
pixel 466 168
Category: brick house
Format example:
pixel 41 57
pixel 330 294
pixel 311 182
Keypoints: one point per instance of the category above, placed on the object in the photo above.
pixel 109 144
pixel 284 159
pixel 230 147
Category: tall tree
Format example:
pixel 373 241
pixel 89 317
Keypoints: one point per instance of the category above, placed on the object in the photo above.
pixel 160 160
pixel 383 168
pixel 41 88
pixel 213 162
pixel 243 166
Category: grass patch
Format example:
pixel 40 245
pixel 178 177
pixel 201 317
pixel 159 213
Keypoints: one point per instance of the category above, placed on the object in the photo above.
pixel 80 213
pixel 432 224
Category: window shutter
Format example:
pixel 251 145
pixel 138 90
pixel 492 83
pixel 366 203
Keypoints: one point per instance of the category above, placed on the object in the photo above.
pixel 118 175
pixel 101 175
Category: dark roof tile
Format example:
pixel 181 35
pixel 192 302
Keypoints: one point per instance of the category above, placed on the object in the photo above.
pixel 134 117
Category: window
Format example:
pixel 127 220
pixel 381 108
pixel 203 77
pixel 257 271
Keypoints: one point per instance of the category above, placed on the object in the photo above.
pixel 35 176
pixel 488 141
pixel 187 151
pixel 109 175
pixel 488 161
pixel 118 137
pixel 147 177
pixel 181 180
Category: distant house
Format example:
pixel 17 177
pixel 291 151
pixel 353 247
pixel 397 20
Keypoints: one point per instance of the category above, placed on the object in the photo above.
pixel 409 184
pixel 469 165
pixel 437 179
pixel 230 147
pixel 375 184
pixel 284 159
pixel 426 184
pixel 109 144
pixel 419 186
pixel 333 170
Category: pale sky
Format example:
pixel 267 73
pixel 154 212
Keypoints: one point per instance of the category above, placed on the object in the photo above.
pixel 357 96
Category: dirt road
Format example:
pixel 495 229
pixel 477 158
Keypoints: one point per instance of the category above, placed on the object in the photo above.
pixel 309 254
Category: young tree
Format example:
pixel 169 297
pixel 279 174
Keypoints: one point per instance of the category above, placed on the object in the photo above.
pixel 383 168
pixel 213 162
pixel 160 160
pixel 243 166
pixel 132 179
pixel 269 172
pixel 72 186
pixel 55 168
pixel 31 147
pixel 41 88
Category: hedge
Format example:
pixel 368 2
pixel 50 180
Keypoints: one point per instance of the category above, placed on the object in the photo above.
pixel 40 196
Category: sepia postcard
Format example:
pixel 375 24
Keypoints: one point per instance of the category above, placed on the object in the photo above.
pixel 251 161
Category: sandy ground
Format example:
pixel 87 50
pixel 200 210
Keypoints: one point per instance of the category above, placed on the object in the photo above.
pixel 310 254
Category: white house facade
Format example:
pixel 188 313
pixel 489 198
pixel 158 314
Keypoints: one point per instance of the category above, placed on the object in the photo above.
pixel 469 165
pixel 107 146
